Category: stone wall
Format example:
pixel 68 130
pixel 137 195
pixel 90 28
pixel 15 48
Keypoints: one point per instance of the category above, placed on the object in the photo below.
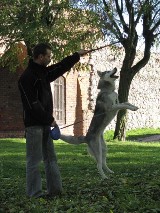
pixel 144 91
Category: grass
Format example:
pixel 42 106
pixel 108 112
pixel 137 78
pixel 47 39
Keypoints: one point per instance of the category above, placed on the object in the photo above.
pixel 134 188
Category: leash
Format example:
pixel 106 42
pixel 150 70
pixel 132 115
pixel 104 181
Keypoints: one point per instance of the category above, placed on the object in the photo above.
pixel 81 121
pixel 55 132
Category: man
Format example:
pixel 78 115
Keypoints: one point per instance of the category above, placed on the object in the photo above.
pixel 34 86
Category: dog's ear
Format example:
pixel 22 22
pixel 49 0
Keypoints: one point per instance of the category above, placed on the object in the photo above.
pixel 99 73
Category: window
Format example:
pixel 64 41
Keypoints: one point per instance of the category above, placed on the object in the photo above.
pixel 58 91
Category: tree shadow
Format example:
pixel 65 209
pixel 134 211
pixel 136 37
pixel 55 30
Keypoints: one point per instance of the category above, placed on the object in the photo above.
pixel 139 137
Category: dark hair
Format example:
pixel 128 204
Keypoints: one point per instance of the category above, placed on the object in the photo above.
pixel 40 49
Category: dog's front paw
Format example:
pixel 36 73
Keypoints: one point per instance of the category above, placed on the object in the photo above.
pixel 109 171
pixel 104 177
pixel 106 169
pixel 134 108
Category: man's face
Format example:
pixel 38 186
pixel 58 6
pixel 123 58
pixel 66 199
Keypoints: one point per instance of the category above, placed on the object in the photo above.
pixel 45 59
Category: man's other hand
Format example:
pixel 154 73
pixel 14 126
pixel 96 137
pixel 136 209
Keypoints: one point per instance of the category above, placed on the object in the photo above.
pixel 82 52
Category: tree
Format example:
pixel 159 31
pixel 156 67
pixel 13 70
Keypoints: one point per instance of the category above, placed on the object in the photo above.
pixel 120 20
pixel 52 21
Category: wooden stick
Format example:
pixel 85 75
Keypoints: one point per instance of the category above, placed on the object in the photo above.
pixel 99 48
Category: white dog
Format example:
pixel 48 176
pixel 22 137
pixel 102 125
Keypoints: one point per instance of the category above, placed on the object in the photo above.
pixel 107 106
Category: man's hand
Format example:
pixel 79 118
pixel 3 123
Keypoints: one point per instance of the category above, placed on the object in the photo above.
pixel 54 124
pixel 82 52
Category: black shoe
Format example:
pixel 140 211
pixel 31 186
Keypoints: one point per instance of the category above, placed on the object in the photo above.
pixel 48 196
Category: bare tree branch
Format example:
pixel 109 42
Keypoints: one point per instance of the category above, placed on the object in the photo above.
pixel 155 15
pixel 148 43
pixel 140 12
pixel 128 6
pixel 156 26
pixel 107 10
pixel 120 11
pixel 156 35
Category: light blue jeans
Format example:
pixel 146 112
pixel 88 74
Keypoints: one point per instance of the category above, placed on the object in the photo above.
pixel 39 145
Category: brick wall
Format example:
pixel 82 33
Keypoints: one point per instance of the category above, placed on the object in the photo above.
pixel 11 123
pixel 73 104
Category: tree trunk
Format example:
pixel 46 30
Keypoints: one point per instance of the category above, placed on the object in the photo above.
pixel 120 130
pixel 124 85
pixel 29 49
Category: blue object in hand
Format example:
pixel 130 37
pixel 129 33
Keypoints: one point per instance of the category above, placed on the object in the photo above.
pixel 55 133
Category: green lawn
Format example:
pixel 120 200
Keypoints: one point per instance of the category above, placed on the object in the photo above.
pixel 134 188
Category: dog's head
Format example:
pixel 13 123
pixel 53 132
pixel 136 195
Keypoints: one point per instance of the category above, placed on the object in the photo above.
pixel 107 76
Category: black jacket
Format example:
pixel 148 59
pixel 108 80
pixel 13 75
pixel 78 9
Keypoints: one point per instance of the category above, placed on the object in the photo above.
pixel 34 86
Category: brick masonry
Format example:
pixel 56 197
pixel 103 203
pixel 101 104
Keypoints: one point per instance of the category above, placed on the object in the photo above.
pixel 10 105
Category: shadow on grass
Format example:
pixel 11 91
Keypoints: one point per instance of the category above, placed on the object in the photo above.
pixel 134 135
pixel 138 137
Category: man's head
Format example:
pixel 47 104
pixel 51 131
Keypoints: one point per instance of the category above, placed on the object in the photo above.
pixel 42 54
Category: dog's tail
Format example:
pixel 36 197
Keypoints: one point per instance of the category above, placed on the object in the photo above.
pixel 73 139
